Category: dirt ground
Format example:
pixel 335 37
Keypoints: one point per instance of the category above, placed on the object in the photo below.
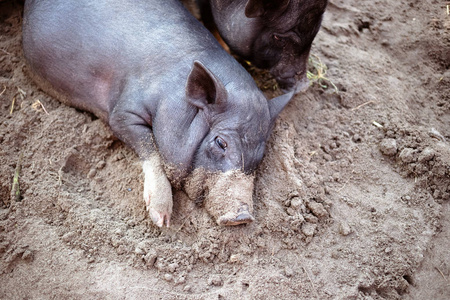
pixel 351 199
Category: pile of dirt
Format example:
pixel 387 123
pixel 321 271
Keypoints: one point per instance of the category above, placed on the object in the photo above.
pixel 351 200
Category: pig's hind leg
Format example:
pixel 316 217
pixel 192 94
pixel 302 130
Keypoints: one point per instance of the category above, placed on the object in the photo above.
pixel 132 126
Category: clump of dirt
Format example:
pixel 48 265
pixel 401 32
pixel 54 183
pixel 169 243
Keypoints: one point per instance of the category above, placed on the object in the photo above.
pixel 350 201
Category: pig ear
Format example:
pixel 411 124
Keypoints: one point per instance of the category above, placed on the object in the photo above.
pixel 256 8
pixel 217 3
pixel 203 87
pixel 277 104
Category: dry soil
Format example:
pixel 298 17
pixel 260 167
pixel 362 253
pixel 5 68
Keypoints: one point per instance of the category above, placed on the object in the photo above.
pixel 351 200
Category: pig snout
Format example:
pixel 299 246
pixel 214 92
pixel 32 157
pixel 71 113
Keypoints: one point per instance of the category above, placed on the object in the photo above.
pixel 227 196
pixel 233 218
pixel 230 198
pixel 291 73
pixel 297 83
pixel 302 83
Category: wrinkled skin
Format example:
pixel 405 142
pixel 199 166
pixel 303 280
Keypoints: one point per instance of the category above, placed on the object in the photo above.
pixel 274 35
pixel 162 83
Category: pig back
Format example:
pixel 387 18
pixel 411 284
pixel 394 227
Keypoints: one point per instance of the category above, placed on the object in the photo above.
pixel 88 51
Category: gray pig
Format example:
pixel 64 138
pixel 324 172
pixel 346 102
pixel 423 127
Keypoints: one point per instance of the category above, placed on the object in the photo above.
pixel 274 35
pixel 166 88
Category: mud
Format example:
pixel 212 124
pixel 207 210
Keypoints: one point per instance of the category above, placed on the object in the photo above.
pixel 351 200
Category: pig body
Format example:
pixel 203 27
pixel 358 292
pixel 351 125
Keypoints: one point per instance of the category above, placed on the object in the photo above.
pixel 274 35
pixel 161 82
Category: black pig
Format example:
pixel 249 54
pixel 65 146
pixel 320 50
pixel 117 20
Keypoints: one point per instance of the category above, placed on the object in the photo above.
pixel 274 35
pixel 166 88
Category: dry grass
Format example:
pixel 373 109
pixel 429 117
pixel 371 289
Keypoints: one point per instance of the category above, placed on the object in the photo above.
pixel 316 73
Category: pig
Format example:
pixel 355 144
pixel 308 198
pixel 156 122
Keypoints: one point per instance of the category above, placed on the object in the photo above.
pixel 274 35
pixel 166 88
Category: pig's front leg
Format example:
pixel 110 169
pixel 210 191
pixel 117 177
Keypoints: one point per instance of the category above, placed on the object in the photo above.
pixel 131 124
pixel 157 191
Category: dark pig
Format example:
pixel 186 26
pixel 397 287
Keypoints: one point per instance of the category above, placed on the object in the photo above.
pixel 166 88
pixel 274 35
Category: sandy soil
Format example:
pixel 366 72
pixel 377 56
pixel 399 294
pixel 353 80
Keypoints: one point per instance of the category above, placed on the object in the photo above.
pixel 351 200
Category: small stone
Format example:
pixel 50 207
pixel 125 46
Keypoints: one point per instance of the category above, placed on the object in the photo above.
pixel 288 272
pixel 357 138
pixel 426 155
pixel 27 255
pixel 436 194
pixel 115 242
pixel 308 229
pixel 122 249
pixel 235 258
pixel 297 222
pixel 69 236
pixel 92 173
pixel 3 246
pixel 139 251
pixel 407 155
pixel 187 288
pixel 4 213
pixel 290 211
pixel 344 228
pixel 388 147
pixel 296 203
pixel 436 134
pixel 150 258
pixel 327 157
pixel 172 267
pixel 181 280
pixel 118 156
pixel 311 218
pixel 100 165
pixel 385 43
pixel 168 277
pixel 215 280
pixel 293 194
pixel 317 209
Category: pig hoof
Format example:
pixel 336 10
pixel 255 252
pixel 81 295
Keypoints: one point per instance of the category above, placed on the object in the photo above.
pixel 158 218
pixel 231 219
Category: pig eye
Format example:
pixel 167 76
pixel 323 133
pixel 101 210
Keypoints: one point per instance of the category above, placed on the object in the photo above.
pixel 221 143
pixel 278 40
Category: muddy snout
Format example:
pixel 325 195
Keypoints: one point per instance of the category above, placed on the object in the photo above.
pixel 242 216
pixel 230 198
pixel 301 83
pixel 297 84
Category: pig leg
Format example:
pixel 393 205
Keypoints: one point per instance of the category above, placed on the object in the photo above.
pixel 132 126
pixel 157 191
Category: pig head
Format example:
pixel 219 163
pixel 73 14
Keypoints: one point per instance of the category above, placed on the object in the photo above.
pixel 227 145
pixel 274 35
